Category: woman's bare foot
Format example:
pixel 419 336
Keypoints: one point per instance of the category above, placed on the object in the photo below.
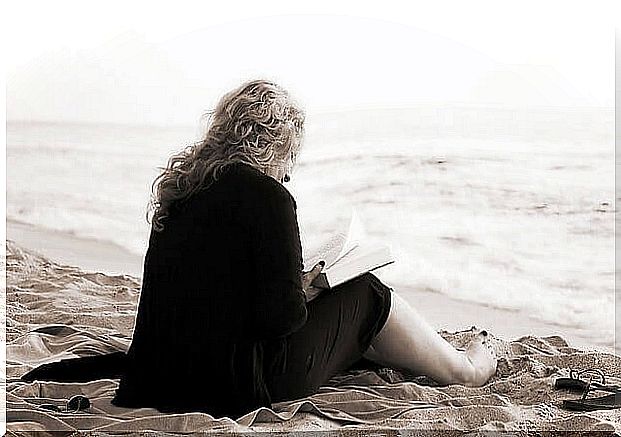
pixel 481 361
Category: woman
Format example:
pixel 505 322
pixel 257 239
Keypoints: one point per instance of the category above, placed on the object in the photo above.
pixel 227 320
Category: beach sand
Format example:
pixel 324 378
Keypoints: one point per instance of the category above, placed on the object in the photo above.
pixel 442 312
pixel 65 248
pixel 56 311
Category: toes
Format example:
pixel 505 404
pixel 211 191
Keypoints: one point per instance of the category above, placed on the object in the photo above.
pixel 476 341
pixel 484 335
pixel 489 344
pixel 492 351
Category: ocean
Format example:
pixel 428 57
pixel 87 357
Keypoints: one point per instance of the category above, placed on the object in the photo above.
pixel 507 207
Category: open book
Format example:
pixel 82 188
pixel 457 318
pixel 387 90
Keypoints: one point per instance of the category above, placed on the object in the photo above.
pixel 348 255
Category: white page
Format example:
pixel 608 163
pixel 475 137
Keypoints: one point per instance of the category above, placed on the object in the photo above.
pixel 355 235
pixel 338 245
pixel 363 258
pixel 328 252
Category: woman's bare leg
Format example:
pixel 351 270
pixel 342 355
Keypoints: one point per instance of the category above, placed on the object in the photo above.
pixel 408 342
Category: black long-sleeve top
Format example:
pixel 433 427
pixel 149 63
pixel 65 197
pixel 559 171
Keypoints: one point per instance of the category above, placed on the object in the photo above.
pixel 221 278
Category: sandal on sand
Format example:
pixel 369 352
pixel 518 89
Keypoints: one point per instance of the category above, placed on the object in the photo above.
pixel 608 402
pixel 575 383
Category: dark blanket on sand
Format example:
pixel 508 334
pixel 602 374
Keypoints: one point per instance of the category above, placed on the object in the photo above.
pixel 55 312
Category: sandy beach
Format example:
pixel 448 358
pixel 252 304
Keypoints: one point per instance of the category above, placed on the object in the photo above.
pixel 442 312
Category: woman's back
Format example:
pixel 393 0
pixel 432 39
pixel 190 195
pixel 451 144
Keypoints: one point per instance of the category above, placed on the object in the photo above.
pixel 222 275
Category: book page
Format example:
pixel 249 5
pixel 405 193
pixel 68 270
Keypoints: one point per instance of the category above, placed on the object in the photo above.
pixel 338 246
pixel 328 252
pixel 355 235
pixel 363 258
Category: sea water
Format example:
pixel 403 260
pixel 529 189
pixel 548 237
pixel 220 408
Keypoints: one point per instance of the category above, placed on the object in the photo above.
pixel 507 207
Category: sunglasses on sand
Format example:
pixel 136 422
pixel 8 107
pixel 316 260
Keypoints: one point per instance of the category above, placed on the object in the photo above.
pixel 75 404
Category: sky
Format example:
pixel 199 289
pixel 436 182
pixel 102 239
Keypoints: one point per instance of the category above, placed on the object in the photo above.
pixel 168 63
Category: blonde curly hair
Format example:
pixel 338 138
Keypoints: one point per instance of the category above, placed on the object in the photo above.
pixel 257 124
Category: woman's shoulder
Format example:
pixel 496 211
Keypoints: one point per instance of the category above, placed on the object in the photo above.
pixel 255 184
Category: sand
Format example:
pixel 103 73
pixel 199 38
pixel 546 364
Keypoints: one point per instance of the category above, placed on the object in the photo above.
pixel 65 248
pixel 57 311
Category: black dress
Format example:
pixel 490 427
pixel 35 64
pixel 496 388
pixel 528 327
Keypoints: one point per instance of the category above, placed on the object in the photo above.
pixel 223 326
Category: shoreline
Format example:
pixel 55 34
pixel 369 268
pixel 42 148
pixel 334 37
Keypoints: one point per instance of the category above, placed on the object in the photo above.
pixel 88 254
pixel 442 312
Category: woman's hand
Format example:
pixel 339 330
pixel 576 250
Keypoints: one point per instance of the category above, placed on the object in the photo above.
pixel 307 277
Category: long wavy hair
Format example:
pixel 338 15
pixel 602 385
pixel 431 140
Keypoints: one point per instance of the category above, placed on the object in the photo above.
pixel 257 124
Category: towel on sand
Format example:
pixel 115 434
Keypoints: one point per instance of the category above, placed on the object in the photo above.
pixel 55 312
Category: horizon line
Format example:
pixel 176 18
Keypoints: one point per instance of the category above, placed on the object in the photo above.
pixel 328 111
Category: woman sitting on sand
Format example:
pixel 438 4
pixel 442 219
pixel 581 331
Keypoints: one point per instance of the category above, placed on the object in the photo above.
pixel 227 320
